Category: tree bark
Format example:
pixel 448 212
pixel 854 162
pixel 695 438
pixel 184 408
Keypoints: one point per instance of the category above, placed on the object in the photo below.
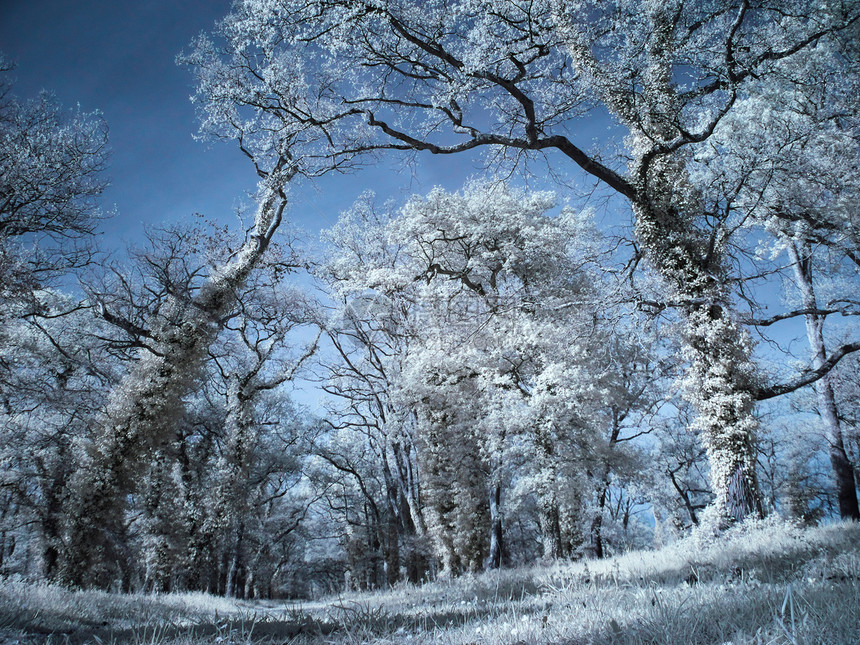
pixel 495 559
pixel 233 573
pixel 597 522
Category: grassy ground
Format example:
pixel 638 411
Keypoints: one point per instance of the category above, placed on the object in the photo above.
pixel 762 584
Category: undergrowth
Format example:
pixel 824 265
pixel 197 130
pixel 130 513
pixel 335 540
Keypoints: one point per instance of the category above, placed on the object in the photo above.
pixel 760 583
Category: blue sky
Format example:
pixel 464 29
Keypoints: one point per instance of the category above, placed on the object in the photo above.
pixel 119 58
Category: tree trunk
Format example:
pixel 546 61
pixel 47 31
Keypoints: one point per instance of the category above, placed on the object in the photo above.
pixel 392 551
pixel 843 471
pixel 547 497
pixel 603 490
pixel 412 525
pixel 720 386
pixel 7 548
pixel 233 572
pixel 553 545
pixel 496 557
pixel 395 523
pixel 719 381
pixel 669 213
pixel 597 522
pixel 51 513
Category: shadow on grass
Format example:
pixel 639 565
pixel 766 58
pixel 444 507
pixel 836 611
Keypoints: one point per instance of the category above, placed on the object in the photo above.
pixel 375 622
pixel 267 631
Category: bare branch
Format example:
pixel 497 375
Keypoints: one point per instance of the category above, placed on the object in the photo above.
pixel 808 376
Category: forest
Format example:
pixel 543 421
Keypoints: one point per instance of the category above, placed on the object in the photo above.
pixel 638 324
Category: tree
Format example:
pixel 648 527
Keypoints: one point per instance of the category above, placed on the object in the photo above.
pixel 253 364
pixel 490 271
pixel 370 333
pixel 788 156
pixel 143 409
pixel 633 382
pixel 679 459
pixel 56 375
pixel 461 302
pixel 226 459
pixel 53 371
pixel 337 80
pixel 51 176
pixel 801 260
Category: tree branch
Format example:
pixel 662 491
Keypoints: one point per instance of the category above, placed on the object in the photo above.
pixel 808 376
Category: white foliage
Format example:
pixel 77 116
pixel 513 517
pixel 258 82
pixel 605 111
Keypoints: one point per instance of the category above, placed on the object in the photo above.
pixel 488 305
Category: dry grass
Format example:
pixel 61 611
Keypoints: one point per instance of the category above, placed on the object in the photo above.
pixel 764 583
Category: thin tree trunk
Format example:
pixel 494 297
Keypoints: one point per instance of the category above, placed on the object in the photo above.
pixel 597 522
pixel 843 471
pixel 232 587
pixel 603 490
pixel 496 556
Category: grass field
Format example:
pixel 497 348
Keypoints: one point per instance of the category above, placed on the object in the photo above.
pixel 762 583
